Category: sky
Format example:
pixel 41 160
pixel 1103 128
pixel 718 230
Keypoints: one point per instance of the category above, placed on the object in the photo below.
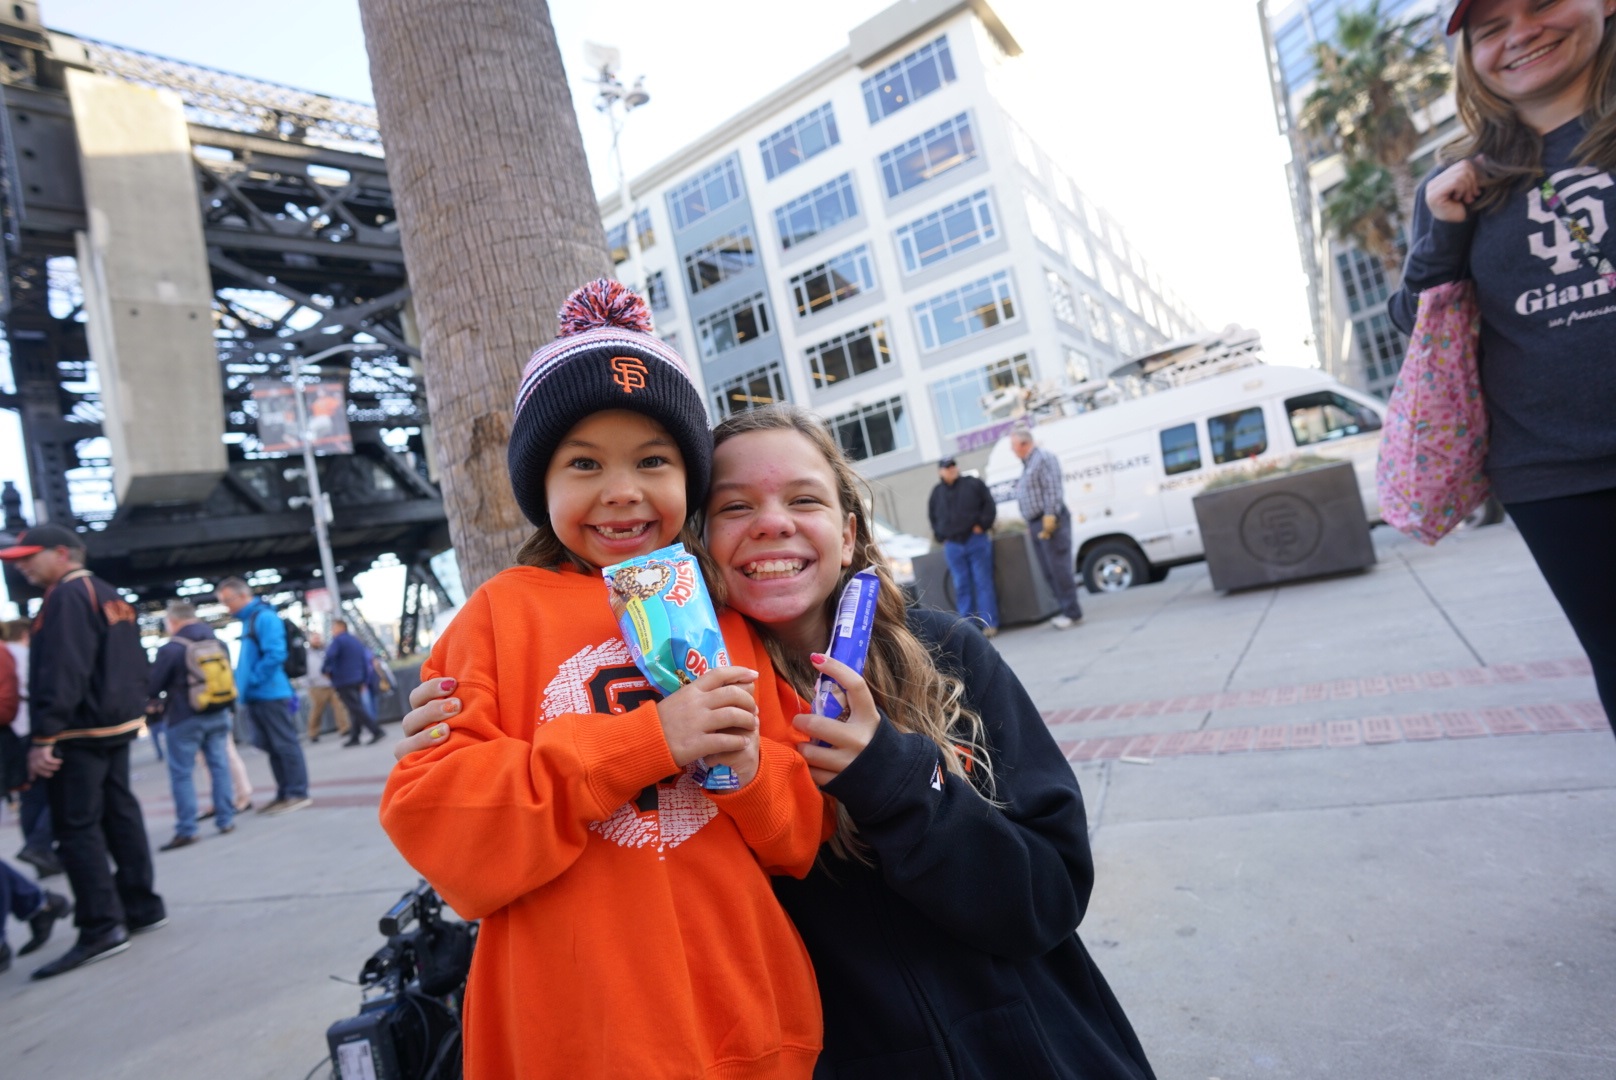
pixel 1159 109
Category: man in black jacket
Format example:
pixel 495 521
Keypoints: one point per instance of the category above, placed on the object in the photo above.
pixel 87 694
pixel 962 514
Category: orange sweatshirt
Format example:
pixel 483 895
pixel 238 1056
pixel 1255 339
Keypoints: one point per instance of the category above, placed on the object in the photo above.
pixel 628 925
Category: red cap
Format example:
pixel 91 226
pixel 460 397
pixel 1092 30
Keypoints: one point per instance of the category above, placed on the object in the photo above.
pixel 1460 10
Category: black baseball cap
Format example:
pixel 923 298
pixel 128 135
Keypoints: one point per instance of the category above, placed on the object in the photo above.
pixel 946 463
pixel 33 541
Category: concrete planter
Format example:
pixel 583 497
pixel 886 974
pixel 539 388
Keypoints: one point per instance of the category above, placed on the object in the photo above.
pixel 1024 595
pixel 1283 528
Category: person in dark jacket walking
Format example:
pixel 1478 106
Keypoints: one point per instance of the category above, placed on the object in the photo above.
pixel 266 694
pixel 962 513
pixel 87 696
pixel 174 678
pixel 347 662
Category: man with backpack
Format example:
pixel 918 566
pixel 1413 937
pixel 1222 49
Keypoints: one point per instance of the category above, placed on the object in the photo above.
pixel 266 694
pixel 192 675
pixel 86 697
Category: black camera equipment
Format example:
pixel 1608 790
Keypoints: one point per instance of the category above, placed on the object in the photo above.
pixel 408 1027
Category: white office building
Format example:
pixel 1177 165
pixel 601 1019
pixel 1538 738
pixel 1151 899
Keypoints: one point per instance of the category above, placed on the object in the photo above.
pixel 880 241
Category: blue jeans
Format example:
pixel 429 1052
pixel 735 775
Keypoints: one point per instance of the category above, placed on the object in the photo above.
pixel 275 733
pixel 33 813
pixel 970 564
pixel 207 732
pixel 18 896
pixel 1055 559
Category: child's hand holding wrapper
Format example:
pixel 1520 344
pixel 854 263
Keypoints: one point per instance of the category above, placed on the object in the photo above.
pixel 667 618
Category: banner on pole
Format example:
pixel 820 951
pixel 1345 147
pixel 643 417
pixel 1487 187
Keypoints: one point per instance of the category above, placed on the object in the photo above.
pixel 328 418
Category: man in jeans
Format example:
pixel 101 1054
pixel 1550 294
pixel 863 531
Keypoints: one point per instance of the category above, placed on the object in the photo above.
pixel 1042 498
pixel 265 693
pixel 348 664
pixel 962 513
pixel 189 730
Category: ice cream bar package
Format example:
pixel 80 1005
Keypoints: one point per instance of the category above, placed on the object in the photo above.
pixel 667 618
pixel 850 638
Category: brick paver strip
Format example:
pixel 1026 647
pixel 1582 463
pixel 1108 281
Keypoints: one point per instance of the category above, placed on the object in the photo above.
pixel 1405 684
pixel 1551 718
pixel 1129 711
pixel 1112 748
pixel 1174 745
pixel 1237 740
pixel 1506 721
pixel 1381 729
pixel 1474 676
pixel 1339 733
pixel 1142 746
pixel 1306 736
pixel 1592 715
pixel 1068 748
pixel 1578 665
pixel 1462 725
pixel 1376 686
pixel 1273 737
pixel 1544 669
pixel 1315 691
pixel 1205 742
pixel 1420 727
pixel 1153 708
pixel 1344 689
pixel 1511 673
pixel 1437 680
pixel 1287 695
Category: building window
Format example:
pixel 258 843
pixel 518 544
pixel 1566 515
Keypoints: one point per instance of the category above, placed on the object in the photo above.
pixel 695 199
pixel 964 312
pixel 1108 275
pixel 735 325
pixel 946 232
pixel 798 141
pixel 1381 346
pixel 1130 295
pixel 873 430
pixel 833 281
pixel 617 236
pixel 1077 249
pixel 897 86
pixel 1042 219
pixel 1026 151
pixel 960 398
pixel 1121 333
pixel 1362 278
pixel 847 356
pixel 729 255
pixel 1060 297
pixel 1067 194
pixel 1238 435
pixel 755 389
pixel 656 291
pixel 1077 366
pixel 928 155
pixel 1099 323
pixel 822 209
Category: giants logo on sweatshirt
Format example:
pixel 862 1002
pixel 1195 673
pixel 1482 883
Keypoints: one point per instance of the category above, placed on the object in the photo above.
pixel 1580 190
pixel 603 679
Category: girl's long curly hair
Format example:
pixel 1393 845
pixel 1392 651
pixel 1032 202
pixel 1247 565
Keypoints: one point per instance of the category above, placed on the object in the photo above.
pixel 1508 153
pixel 902 673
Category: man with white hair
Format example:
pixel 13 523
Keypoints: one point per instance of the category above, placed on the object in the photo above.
pixel 1042 498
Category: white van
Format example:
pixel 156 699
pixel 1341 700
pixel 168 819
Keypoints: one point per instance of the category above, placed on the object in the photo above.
pixel 1132 468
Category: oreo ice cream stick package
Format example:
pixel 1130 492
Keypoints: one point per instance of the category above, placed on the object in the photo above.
pixel 849 638
pixel 667 618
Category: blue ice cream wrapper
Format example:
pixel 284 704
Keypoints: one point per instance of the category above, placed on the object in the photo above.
pixel 849 638
pixel 667 618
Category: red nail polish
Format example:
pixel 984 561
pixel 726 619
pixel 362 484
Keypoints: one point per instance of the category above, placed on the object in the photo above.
pixel 446 685
pixel 818 657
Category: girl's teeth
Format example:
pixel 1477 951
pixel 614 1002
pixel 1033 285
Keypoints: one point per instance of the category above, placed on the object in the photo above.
pixel 770 567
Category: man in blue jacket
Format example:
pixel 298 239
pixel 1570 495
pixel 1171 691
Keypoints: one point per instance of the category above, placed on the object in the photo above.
pixel 190 730
pixel 348 663
pixel 266 694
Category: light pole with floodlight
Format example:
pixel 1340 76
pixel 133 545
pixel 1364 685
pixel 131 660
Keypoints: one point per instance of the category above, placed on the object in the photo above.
pixel 616 101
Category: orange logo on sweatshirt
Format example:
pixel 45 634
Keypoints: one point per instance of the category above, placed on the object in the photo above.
pixel 629 373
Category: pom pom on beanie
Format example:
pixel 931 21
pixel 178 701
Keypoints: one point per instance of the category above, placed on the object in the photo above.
pixel 604 358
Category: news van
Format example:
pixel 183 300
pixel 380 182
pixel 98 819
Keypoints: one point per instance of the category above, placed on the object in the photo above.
pixel 1132 467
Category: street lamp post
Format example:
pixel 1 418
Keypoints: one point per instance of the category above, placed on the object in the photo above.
pixel 616 101
pixel 319 502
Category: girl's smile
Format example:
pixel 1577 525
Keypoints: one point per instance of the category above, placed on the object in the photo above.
pixel 615 487
pixel 1538 54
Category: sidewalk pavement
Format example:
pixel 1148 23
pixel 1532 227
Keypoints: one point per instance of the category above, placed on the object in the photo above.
pixel 1358 828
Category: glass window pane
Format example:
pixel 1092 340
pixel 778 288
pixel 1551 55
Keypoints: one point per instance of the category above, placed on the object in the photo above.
pixel 878 425
pixel 1180 451
pixel 1237 435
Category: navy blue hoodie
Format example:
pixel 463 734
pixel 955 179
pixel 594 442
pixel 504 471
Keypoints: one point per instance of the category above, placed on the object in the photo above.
pixel 1548 325
pixel 957 955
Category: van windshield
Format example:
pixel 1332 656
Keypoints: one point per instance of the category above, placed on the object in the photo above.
pixel 1327 415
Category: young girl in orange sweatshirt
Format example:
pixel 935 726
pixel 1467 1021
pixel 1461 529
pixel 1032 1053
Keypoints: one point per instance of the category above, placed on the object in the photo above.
pixel 628 925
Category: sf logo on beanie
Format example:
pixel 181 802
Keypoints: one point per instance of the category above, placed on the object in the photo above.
pixel 629 373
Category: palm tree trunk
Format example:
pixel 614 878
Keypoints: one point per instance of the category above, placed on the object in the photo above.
pixel 499 223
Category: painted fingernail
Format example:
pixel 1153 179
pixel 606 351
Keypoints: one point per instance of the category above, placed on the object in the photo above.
pixel 446 685
pixel 818 657
pixel 451 705
pixel 438 732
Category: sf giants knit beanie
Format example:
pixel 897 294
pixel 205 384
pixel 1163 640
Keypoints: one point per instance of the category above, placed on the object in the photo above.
pixel 604 357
